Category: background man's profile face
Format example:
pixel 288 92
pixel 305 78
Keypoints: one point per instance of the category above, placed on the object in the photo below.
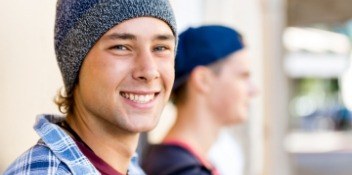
pixel 232 89
pixel 126 78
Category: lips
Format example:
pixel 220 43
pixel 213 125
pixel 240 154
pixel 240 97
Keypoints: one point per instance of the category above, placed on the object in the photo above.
pixel 139 98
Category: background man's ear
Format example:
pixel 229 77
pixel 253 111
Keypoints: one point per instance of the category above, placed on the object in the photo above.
pixel 201 79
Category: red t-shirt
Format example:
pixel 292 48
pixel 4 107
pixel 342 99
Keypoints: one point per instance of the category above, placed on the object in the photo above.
pixel 99 164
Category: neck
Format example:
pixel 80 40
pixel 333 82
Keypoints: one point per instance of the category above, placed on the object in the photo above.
pixel 110 143
pixel 195 127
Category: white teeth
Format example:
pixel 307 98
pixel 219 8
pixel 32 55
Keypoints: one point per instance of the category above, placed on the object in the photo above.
pixel 138 98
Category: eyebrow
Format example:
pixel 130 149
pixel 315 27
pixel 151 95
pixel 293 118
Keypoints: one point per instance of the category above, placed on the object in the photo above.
pixel 122 36
pixel 165 37
pixel 128 36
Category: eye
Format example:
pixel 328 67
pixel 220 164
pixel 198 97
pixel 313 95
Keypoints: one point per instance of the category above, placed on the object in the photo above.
pixel 160 48
pixel 246 75
pixel 119 47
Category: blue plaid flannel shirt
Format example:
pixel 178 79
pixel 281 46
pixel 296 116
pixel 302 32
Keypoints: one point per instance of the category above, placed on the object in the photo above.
pixel 57 153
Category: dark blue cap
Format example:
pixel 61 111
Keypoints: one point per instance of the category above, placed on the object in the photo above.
pixel 202 46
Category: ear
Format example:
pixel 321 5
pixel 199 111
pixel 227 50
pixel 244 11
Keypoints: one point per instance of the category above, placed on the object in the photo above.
pixel 201 79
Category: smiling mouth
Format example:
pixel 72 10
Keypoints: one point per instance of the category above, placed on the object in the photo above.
pixel 138 98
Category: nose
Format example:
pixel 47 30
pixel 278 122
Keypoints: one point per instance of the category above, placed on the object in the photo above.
pixel 145 67
pixel 253 89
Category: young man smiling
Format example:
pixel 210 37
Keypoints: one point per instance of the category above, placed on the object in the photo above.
pixel 117 62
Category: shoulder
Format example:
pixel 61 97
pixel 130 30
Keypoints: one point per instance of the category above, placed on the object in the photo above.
pixel 171 159
pixel 37 160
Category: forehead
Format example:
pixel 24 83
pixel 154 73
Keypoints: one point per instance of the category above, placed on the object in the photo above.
pixel 238 61
pixel 142 27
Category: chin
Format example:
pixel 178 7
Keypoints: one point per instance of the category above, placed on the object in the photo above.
pixel 242 120
pixel 143 127
pixel 137 130
pixel 237 120
pixel 146 128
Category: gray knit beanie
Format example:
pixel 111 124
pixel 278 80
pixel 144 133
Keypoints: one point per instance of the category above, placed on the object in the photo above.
pixel 80 23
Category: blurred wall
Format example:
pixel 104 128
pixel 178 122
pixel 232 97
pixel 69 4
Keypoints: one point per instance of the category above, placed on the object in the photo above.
pixel 275 88
pixel 29 74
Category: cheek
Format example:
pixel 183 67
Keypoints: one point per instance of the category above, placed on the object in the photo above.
pixel 229 93
pixel 114 72
pixel 222 96
pixel 167 72
pixel 239 93
pixel 104 76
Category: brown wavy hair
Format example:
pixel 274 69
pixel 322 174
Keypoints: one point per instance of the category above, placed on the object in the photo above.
pixel 64 101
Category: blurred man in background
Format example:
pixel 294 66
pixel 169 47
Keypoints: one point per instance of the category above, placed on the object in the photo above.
pixel 212 90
